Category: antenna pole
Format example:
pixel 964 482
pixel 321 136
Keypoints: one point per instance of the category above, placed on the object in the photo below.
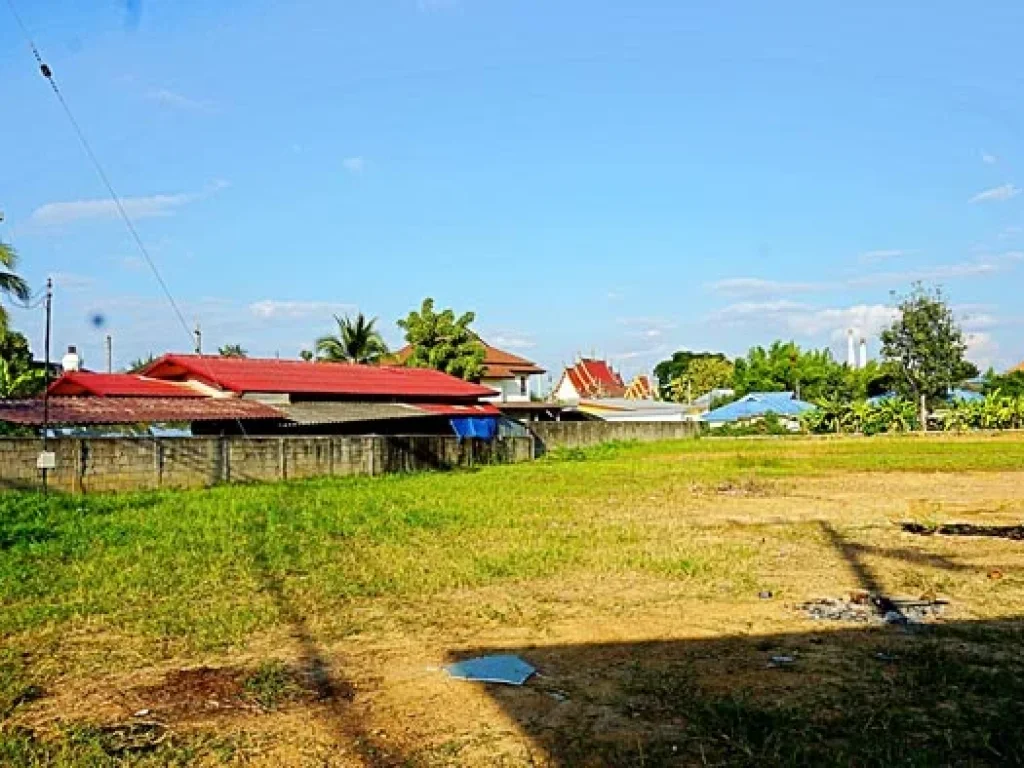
pixel 199 339
pixel 110 353
pixel 46 375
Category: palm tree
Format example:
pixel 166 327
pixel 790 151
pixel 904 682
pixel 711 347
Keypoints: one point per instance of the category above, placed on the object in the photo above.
pixel 357 341
pixel 232 350
pixel 10 283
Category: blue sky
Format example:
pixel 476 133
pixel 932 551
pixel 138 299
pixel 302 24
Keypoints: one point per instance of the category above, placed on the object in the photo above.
pixel 625 178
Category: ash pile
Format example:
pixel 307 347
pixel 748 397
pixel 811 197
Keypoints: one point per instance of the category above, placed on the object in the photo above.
pixel 871 607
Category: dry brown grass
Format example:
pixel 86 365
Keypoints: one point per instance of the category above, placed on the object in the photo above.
pixel 624 652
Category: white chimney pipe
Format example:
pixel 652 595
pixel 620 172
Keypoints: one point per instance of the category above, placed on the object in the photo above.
pixel 863 352
pixel 851 355
pixel 71 361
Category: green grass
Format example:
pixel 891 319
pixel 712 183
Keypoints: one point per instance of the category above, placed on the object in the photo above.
pixel 147 576
pixel 206 569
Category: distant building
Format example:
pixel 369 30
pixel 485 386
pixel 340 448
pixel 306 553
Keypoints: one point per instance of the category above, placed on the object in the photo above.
pixel 590 379
pixel 640 388
pixel 510 376
pixel 757 405
pixel 625 409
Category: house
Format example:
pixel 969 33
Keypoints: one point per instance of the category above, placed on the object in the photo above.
pixel 757 405
pixel 589 378
pixel 631 409
pixel 220 395
pixel 510 376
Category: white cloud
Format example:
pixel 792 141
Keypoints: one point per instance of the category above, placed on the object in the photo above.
pixel 1002 192
pixel 884 254
pixel 144 207
pixel 169 98
pixel 647 327
pixel 806 320
pixel 982 349
pixel 72 281
pixel 989 265
pixel 755 286
pixel 271 308
pixel 354 164
pixel 988 159
pixel 509 340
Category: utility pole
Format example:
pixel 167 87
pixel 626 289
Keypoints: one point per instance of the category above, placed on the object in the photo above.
pixel 46 382
pixel 199 339
pixel 110 353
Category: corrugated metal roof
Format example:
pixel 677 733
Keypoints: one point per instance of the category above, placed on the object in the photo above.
pixel 245 375
pixel 133 410
pixel 74 383
pixel 758 404
pixel 347 412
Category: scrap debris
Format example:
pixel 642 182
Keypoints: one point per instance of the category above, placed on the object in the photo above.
pixel 868 607
pixel 507 669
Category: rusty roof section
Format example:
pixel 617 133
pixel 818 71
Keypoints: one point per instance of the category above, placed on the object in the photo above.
pixel 134 410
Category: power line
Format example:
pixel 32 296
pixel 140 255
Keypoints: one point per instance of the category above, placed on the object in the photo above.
pixel 47 73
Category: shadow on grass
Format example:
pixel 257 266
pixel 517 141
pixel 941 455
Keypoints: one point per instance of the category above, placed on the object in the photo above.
pixel 903 694
pixel 882 696
pixel 329 685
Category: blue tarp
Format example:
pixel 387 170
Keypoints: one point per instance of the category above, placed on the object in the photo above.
pixel 480 427
pixel 493 669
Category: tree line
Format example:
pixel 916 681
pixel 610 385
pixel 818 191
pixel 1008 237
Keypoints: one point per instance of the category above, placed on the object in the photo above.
pixel 922 363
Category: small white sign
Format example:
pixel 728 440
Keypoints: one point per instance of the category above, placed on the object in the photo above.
pixel 46 460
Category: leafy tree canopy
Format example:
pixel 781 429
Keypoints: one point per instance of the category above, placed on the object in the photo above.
pixel 701 376
pixel 357 341
pixel 677 366
pixel 232 350
pixel 19 376
pixel 10 283
pixel 925 347
pixel 442 341
pixel 1009 384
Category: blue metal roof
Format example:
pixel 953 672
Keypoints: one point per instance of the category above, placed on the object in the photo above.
pixel 758 404
pixel 965 396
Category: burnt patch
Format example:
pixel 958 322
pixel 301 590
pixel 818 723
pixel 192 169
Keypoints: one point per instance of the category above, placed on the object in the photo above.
pixel 186 693
pixel 1014 532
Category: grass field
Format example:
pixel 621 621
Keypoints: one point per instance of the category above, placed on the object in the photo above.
pixel 306 623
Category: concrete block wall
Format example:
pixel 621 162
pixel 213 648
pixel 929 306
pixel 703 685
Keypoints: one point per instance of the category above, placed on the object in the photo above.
pixel 580 434
pixel 94 465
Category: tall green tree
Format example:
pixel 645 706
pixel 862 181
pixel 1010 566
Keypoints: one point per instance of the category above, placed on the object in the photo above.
pixel 701 376
pixel 669 371
pixel 442 341
pixel 784 367
pixel 10 283
pixel 357 341
pixel 19 376
pixel 232 350
pixel 926 348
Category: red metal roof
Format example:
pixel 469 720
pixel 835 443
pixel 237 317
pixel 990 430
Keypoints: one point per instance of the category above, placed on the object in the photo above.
pixel 133 410
pixel 244 375
pixel 118 385
pixel 595 378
